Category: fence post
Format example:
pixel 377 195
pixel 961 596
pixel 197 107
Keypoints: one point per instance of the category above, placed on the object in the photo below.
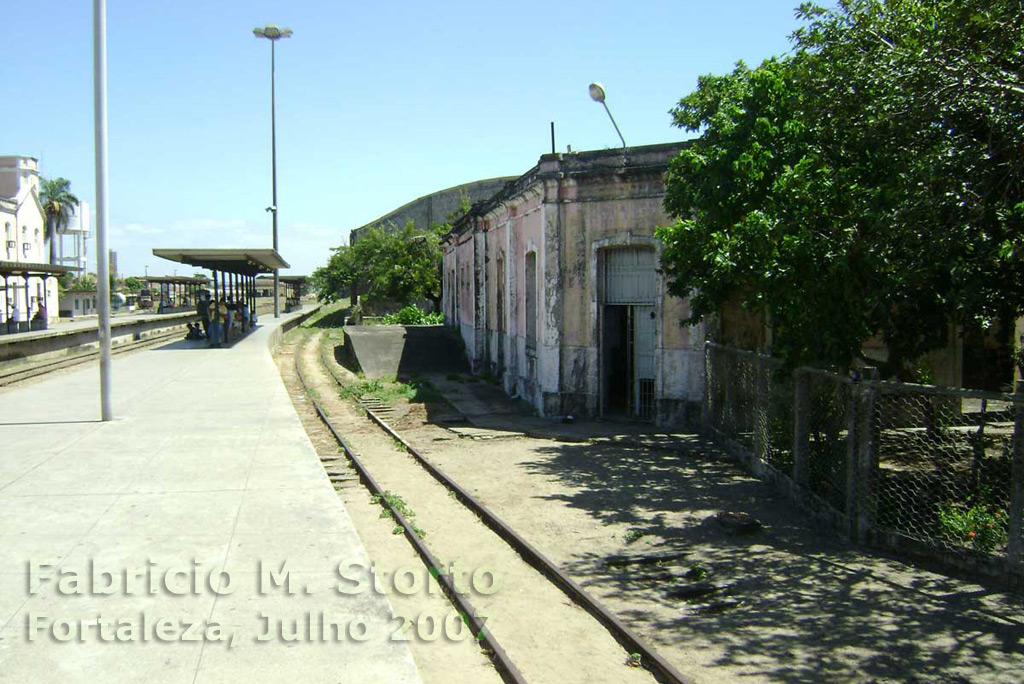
pixel 801 426
pixel 1016 522
pixel 760 409
pixel 705 407
pixel 853 410
pixel 862 456
pixel 727 373
pixel 867 454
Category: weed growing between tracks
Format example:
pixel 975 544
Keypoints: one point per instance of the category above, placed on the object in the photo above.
pixel 396 502
pixel 416 390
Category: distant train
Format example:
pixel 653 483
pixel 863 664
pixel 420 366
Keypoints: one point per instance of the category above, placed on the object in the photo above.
pixel 145 299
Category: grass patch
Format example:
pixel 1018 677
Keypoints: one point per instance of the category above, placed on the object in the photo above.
pixel 632 534
pixel 417 390
pixel 332 316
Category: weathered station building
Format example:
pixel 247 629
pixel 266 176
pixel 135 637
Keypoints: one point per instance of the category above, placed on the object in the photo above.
pixel 554 286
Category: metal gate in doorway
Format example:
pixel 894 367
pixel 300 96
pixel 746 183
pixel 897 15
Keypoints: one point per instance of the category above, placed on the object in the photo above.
pixel 628 332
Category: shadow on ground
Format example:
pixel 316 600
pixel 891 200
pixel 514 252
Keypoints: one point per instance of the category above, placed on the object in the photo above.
pixel 792 602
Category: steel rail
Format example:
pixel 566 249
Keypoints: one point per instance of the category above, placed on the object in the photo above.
pixel 503 663
pixel 650 659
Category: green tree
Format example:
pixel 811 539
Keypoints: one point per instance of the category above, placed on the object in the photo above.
pixel 70 283
pixel 58 206
pixel 132 284
pixel 871 182
pixel 390 267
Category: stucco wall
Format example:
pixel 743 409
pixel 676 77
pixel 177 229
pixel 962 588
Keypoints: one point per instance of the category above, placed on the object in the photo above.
pixel 566 210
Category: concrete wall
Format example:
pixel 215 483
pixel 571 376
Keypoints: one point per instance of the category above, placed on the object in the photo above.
pixel 565 211
pixel 48 343
pixel 78 303
pixel 435 207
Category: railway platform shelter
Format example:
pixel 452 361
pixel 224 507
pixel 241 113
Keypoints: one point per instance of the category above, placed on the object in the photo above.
pixel 295 287
pixel 23 300
pixel 176 293
pixel 234 270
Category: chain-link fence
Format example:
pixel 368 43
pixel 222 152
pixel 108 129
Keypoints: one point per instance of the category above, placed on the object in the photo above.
pixel 930 469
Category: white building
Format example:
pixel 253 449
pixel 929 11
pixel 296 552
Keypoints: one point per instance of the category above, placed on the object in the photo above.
pixel 28 286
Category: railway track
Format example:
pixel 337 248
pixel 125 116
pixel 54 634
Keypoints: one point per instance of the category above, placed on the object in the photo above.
pixel 639 653
pixel 15 375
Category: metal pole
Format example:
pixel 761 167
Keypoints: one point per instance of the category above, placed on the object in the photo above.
pixel 273 171
pixel 605 105
pixel 99 64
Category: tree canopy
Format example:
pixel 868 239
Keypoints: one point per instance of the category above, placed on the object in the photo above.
pixel 132 284
pixel 870 182
pixel 387 266
pixel 58 205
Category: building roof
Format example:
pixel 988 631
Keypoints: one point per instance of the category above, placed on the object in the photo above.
pixel 242 261
pixel 17 268
pixel 642 159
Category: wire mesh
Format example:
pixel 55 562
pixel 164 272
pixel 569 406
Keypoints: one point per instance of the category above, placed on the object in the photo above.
pixel 931 464
pixel 750 403
pixel 828 415
pixel 944 467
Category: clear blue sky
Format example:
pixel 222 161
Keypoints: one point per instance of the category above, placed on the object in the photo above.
pixel 377 103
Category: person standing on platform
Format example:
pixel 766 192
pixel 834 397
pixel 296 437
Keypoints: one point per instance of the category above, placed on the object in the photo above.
pixel 229 318
pixel 203 309
pixel 216 322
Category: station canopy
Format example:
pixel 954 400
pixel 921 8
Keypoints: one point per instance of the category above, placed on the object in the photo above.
pixel 181 280
pixel 18 268
pixel 247 262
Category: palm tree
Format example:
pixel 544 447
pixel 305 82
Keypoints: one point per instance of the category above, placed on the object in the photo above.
pixel 58 206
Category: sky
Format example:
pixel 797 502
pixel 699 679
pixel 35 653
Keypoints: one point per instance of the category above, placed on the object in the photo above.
pixel 377 103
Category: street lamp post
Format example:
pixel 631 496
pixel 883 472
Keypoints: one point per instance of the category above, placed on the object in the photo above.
pixel 273 34
pixel 597 95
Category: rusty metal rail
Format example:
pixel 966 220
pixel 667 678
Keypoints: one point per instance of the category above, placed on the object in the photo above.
pixel 502 662
pixel 650 659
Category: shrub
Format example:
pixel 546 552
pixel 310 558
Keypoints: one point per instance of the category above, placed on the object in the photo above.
pixel 413 315
pixel 980 526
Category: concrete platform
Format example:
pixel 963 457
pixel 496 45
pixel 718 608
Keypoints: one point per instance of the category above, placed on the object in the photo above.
pixel 207 471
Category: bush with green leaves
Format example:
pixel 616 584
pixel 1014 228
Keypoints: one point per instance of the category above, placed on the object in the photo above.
pixel 976 524
pixel 413 315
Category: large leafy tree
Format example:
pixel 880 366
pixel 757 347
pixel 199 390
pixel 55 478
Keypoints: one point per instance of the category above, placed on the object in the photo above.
pixel 58 206
pixel 869 182
pixel 389 266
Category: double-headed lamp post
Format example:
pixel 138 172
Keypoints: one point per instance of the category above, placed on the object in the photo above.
pixel 597 95
pixel 273 34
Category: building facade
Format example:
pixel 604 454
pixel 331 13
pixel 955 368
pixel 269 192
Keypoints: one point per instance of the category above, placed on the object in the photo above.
pixel 25 299
pixel 554 286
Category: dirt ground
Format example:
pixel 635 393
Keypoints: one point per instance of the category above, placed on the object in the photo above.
pixel 790 602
